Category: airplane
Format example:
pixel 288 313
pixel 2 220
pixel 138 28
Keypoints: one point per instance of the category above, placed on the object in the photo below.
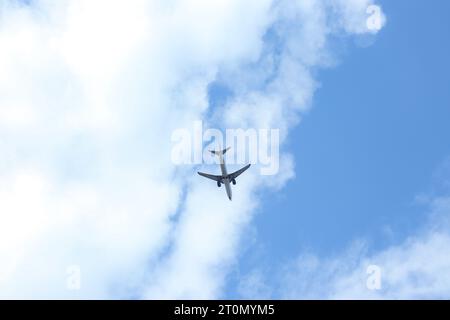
pixel 225 178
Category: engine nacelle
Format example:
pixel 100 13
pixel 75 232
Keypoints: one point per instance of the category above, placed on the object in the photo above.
pixel 219 184
pixel 233 181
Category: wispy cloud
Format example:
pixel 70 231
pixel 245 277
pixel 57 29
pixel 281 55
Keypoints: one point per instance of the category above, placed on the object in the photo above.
pixel 416 267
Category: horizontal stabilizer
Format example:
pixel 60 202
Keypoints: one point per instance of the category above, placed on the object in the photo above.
pixel 220 152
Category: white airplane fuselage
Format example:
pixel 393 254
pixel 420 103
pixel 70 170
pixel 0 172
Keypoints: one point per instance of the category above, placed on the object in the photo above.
pixel 225 181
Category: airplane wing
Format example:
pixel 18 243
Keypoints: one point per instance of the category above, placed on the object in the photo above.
pixel 236 174
pixel 210 176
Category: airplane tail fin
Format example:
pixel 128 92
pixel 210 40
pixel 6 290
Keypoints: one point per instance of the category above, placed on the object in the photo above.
pixel 220 152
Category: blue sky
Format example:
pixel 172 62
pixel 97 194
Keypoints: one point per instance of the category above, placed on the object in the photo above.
pixel 376 134
pixel 93 206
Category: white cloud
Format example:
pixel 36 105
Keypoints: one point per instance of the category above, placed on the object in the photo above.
pixel 90 92
pixel 416 268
